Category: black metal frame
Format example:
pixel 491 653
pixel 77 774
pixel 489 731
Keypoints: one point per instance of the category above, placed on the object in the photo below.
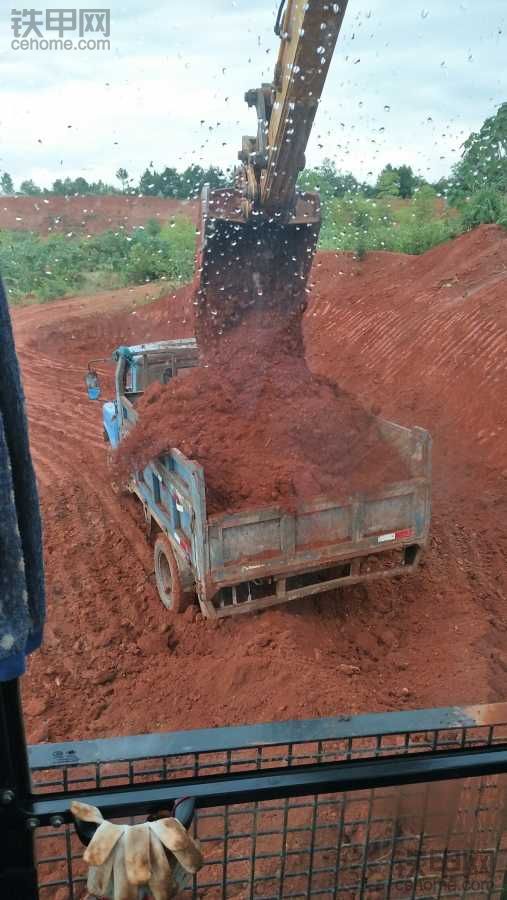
pixel 277 784
pixel 237 776
pixel 18 873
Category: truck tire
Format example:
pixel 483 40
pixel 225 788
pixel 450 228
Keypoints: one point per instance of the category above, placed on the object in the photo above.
pixel 174 586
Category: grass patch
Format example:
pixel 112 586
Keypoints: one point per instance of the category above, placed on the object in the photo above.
pixel 45 268
pixel 361 224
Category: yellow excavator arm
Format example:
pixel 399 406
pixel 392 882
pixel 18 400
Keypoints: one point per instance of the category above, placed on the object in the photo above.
pixel 259 237
pixel 308 30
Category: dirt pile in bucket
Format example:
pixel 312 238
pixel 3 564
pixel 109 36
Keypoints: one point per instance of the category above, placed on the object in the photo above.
pixel 265 429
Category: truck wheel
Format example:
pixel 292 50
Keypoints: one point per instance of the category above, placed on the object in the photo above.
pixel 170 583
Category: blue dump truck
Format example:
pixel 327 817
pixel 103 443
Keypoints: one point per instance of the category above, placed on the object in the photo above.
pixel 235 563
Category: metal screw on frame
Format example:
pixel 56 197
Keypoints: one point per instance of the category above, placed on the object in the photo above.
pixel 57 821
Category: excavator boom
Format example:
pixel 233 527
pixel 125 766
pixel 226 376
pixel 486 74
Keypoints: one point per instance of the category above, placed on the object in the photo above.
pixel 286 108
pixel 258 238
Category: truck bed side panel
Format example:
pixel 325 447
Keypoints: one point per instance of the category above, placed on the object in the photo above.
pixel 267 542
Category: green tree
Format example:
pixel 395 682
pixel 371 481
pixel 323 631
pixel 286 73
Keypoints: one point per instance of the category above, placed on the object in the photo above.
pixel 215 177
pixel 407 181
pixel 424 203
pixel 485 207
pixel 80 186
pixel 123 177
pixel 71 186
pixel 6 184
pixel 327 181
pixel 442 186
pixel 58 187
pixel 170 183
pixel 388 182
pixel 191 182
pixel 484 160
pixel 149 183
pixel 29 187
pixel 100 187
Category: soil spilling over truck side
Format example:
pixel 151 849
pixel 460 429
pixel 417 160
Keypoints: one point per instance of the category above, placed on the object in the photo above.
pixel 265 429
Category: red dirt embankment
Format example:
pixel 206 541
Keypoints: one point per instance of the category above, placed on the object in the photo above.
pixel 89 213
pixel 424 338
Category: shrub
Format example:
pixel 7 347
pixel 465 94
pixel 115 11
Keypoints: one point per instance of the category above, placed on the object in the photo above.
pixel 485 207
pixel 360 224
pixel 50 267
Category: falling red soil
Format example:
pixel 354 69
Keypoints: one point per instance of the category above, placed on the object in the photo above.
pixel 88 213
pixel 423 338
pixel 265 429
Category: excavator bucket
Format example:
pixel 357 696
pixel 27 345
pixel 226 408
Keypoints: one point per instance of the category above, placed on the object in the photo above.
pixel 258 239
pixel 255 262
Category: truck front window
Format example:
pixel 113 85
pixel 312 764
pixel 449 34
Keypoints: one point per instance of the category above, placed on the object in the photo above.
pixel 128 379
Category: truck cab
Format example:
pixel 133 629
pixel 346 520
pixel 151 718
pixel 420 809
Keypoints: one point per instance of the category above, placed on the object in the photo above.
pixel 136 368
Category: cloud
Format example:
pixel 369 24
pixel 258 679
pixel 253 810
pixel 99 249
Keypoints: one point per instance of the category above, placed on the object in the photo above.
pixel 407 83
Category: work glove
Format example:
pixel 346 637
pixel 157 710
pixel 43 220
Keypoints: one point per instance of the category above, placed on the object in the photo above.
pixel 130 862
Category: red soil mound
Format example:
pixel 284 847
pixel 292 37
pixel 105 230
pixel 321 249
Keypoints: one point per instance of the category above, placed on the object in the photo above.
pixel 88 213
pixel 265 429
pixel 89 334
pixel 424 337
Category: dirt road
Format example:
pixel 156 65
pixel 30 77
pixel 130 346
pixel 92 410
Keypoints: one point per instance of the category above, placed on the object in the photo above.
pixel 426 339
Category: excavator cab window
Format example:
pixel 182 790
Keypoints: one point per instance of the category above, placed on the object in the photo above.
pixel 271 243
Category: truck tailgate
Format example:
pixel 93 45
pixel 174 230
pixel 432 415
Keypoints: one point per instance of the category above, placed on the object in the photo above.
pixel 266 542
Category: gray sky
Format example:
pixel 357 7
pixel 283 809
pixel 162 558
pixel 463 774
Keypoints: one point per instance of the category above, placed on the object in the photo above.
pixel 408 82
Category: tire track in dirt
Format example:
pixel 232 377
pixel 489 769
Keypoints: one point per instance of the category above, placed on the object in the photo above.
pixel 452 337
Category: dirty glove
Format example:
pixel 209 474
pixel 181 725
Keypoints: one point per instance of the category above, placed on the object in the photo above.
pixel 125 859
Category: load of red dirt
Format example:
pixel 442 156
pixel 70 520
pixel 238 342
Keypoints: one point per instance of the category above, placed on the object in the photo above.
pixel 265 429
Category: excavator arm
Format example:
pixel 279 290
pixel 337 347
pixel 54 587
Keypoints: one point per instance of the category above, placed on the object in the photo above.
pixel 259 237
pixel 286 108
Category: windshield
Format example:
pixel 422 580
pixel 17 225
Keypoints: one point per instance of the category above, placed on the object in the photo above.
pixel 311 522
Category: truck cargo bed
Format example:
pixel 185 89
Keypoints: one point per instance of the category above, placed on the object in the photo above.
pixel 257 558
